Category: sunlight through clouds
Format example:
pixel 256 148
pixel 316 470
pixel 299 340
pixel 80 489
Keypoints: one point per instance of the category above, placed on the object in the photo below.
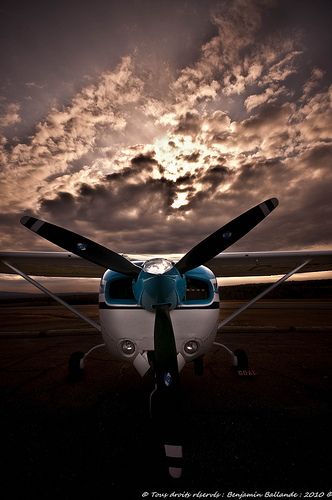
pixel 247 118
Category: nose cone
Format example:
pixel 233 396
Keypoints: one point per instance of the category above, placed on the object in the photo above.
pixel 153 290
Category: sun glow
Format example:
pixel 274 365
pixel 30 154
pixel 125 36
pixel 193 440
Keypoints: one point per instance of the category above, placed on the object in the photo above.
pixel 180 200
pixel 172 152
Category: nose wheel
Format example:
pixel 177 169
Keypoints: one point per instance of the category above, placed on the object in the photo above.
pixel 198 366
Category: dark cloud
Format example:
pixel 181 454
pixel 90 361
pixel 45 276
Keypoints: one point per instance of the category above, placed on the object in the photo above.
pixel 144 159
pixel 189 124
pixel 63 199
pixel 192 158
pixel 269 116
pixel 186 179
pixel 216 175
pixel 137 212
pixel 116 207
pixel 319 157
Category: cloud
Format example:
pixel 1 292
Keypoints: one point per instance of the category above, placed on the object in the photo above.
pixel 188 124
pixel 316 117
pixel 143 168
pixel 283 68
pixel 270 94
pixel 313 82
pixel 67 135
pixel 9 114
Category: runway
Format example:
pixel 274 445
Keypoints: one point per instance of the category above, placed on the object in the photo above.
pixel 93 438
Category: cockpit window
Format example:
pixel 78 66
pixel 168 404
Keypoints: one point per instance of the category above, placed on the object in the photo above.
pixel 119 290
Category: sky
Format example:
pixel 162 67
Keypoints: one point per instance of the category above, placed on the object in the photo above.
pixel 146 125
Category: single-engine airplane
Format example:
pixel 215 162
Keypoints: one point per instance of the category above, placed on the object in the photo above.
pixel 160 312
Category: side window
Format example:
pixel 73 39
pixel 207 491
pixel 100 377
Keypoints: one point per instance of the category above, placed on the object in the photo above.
pixel 198 290
pixel 119 291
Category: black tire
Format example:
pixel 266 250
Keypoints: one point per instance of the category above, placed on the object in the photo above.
pixel 75 372
pixel 198 366
pixel 242 360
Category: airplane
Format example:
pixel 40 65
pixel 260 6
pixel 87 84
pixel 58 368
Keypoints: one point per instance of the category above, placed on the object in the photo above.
pixel 161 312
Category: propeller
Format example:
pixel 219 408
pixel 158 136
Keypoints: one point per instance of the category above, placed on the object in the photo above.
pixel 81 246
pixel 166 398
pixel 159 296
pixel 225 236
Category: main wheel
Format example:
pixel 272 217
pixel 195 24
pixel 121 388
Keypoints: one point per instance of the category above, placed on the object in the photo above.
pixel 242 360
pixel 75 366
pixel 242 367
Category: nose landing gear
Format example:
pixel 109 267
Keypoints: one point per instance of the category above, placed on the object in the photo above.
pixel 199 366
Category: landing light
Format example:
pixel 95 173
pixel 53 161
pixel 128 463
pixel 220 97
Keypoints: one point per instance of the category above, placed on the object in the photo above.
pixel 157 266
pixel 191 347
pixel 128 347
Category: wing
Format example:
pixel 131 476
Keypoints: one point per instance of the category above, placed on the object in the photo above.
pixel 55 264
pixel 269 263
pixel 62 264
pixel 232 264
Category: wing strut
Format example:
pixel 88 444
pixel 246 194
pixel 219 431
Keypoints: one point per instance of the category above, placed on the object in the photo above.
pixel 262 294
pixel 53 296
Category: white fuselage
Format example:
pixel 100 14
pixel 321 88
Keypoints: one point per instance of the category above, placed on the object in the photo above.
pixel 192 320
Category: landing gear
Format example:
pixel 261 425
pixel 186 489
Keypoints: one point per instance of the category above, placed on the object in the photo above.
pixel 241 364
pixel 239 360
pixel 76 366
pixel 77 362
pixel 198 366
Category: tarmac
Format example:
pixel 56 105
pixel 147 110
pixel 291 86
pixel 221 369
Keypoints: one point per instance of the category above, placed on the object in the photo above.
pixel 93 439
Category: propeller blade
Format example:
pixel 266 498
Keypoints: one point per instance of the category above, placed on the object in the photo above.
pixel 225 236
pixel 81 246
pixel 166 398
